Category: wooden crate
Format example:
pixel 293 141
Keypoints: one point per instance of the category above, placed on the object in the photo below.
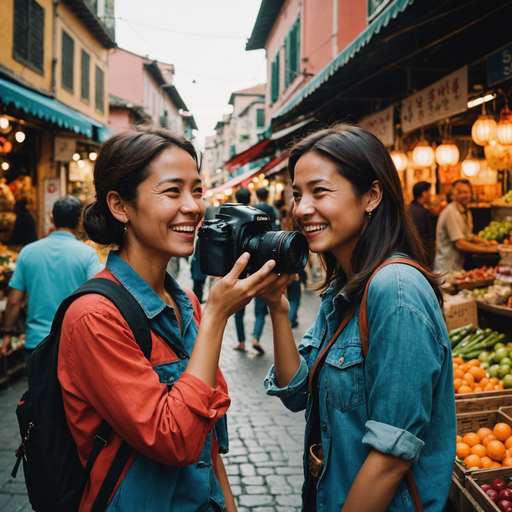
pixel 462 499
pixel 478 478
pixel 507 410
pixel 485 401
pixel 472 422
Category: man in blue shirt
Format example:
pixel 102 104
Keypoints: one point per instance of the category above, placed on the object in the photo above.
pixel 48 271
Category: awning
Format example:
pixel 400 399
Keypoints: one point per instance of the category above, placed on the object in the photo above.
pixel 343 57
pixel 233 181
pixel 52 111
pixel 276 165
pixel 245 157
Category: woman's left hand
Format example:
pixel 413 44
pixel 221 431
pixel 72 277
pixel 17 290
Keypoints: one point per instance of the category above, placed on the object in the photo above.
pixel 273 294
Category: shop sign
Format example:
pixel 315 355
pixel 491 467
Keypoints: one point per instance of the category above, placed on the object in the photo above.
pixel 64 149
pixel 381 125
pixel 51 194
pixel 440 100
pixel 499 65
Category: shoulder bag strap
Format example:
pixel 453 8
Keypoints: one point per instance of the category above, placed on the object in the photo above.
pixel 364 333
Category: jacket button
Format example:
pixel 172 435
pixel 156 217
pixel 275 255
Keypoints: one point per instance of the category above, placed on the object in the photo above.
pixel 182 355
pixel 324 427
pixel 201 464
pixel 341 361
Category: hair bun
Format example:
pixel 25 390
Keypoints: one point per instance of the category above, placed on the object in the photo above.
pixel 101 226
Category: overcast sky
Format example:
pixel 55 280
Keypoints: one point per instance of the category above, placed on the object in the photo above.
pixel 205 40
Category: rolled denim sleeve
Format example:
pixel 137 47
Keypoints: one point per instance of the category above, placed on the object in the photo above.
pixel 294 395
pixel 403 365
pixel 392 441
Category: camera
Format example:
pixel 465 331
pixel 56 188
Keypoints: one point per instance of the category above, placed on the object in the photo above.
pixel 237 229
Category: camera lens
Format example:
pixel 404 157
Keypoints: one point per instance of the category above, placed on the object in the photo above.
pixel 289 250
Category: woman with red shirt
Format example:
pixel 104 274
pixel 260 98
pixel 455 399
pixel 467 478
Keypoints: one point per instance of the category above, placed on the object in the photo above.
pixel 170 408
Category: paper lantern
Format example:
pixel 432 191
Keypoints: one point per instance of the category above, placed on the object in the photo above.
pixel 423 155
pixel 504 130
pixel 400 160
pixel 447 153
pixel 484 130
pixel 470 167
pixel 497 156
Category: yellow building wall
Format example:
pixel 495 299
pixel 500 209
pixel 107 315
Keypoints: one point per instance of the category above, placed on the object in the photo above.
pixel 6 43
pixel 68 21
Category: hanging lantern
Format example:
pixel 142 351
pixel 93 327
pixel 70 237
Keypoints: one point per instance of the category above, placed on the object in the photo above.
pixel 504 131
pixel 447 153
pixel 484 130
pixel 470 167
pixel 399 159
pixel 423 155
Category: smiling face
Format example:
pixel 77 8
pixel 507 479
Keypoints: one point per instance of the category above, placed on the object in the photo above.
pixel 462 194
pixel 164 217
pixel 326 208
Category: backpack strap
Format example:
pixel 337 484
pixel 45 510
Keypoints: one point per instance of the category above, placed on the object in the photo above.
pixel 138 322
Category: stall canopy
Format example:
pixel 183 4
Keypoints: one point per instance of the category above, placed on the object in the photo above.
pixel 233 181
pixel 275 165
pixel 52 111
pixel 245 157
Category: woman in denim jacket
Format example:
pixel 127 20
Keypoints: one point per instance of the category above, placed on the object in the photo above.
pixel 393 410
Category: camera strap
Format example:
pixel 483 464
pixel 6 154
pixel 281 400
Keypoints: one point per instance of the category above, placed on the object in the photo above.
pixel 314 437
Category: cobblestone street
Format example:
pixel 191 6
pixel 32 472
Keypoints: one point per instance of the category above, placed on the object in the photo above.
pixel 264 463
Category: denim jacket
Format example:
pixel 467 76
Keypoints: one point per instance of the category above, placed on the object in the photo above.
pixel 150 485
pixel 398 401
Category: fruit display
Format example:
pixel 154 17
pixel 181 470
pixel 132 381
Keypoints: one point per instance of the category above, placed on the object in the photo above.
pixel 498 295
pixel 499 491
pixel 469 342
pixel 469 276
pixel 497 231
pixel 486 448
pixel 507 198
pixel 472 378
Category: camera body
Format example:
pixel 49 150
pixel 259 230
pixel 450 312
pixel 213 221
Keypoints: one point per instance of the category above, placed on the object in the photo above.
pixel 237 229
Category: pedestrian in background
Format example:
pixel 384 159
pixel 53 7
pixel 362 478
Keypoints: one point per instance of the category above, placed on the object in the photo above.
pixel 372 415
pixel 421 217
pixel 197 276
pixel 262 195
pixel 24 230
pixel 47 271
pixel 171 408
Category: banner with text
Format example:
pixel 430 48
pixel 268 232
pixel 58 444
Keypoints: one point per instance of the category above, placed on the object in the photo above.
pixel 381 125
pixel 440 100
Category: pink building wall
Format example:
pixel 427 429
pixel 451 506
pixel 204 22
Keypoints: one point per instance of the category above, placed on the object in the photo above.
pixel 122 81
pixel 351 20
pixel 119 120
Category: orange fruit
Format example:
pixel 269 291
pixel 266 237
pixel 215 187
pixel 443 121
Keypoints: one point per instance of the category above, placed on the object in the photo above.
pixel 469 378
pixel 457 383
pixel 486 462
pixel 494 380
pixel 502 431
pixel 465 389
pixel 495 464
pixel 479 449
pixel 471 439
pixel 464 367
pixel 472 461
pixel 498 387
pixel 484 431
pixel 496 450
pixel 474 363
pixel 508 442
pixel 455 367
pixel 484 382
pixel 507 462
pixel 463 450
pixel 458 360
pixel 489 387
pixel 477 389
pixel 458 374
pixel 459 439
pixel 487 439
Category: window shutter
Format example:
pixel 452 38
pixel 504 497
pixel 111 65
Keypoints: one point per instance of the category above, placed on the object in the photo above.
pixel 36 36
pixel 100 92
pixel 21 24
pixel 85 75
pixel 68 54
pixel 260 118
pixel 287 56
pixel 297 47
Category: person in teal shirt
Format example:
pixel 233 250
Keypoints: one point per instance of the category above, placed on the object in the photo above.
pixel 48 271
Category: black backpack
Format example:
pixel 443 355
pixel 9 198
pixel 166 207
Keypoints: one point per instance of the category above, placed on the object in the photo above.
pixel 54 475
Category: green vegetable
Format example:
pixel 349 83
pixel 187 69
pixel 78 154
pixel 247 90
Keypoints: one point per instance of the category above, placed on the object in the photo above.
pixel 454 332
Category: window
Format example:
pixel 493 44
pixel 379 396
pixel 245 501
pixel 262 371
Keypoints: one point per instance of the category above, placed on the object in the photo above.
pixel 232 150
pixel 260 118
pixel 68 59
pixel 28 34
pixel 274 86
pixel 292 53
pixel 100 90
pixel 376 6
pixel 86 64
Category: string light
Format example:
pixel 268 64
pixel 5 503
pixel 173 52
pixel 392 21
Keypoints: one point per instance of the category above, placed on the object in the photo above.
pixel 4 123
pixel 76 157
pixel 19 136
pixel 5 166
pixel 93 155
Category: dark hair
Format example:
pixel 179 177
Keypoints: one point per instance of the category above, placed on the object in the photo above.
pixel 362 159
pixel 243 196
pixel 464 182
pixel 123 163
pixel 279 204
pixel 419 188
pixel 66 212
pixel 262 193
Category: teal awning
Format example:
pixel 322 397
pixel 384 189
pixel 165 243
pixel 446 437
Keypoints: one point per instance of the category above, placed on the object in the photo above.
pixel 343 57
pixel 52 111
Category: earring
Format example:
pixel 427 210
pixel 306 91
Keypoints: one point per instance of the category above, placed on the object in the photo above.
pixel 125 219
pixel 369 214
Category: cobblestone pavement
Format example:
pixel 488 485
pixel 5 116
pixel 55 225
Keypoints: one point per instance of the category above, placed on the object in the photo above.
pixel 264 463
